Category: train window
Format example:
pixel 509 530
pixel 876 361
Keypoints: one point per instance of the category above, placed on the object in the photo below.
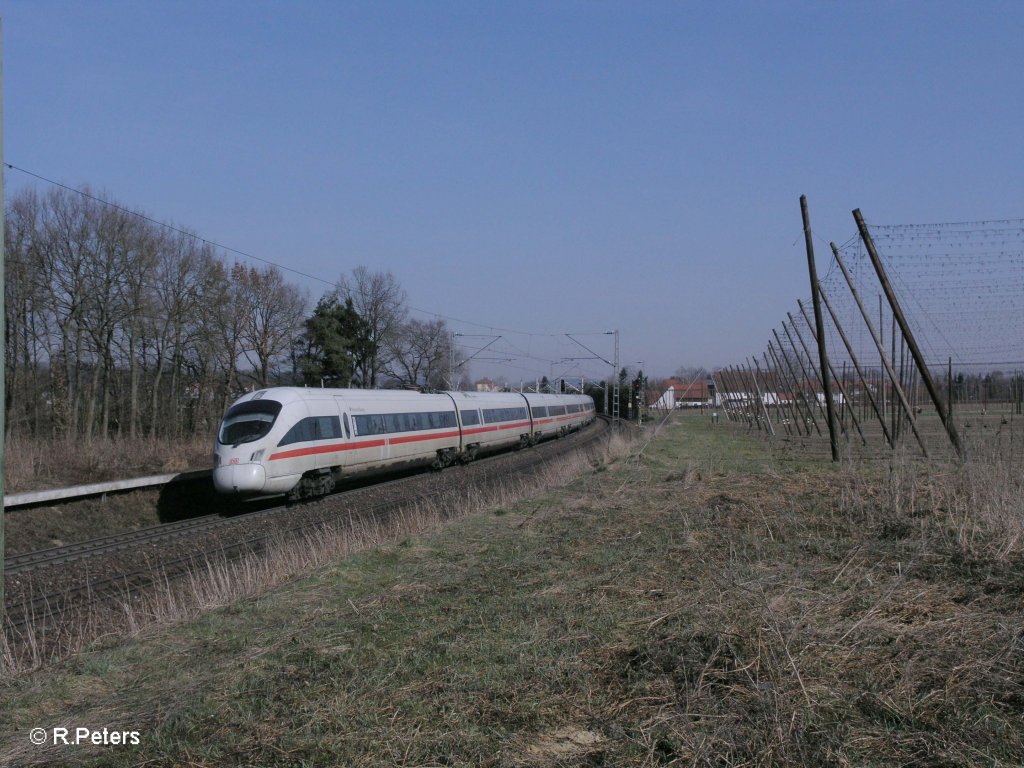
pixel 539 411
pixel 492 415
pixel 391 423
pixel 248 421
pixel 469 418
pixel 328 428
pixel 442 419
pixel 302 432
pixel 369 425
pixel 313 428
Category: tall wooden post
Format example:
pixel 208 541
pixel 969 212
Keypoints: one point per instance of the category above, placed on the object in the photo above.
pixel 773 381
pixel 864 383
pixel 897 389
pixel 722 388
pixel 915 351
pixel 839 381
pixel 805 380
pixel 949 394
pixel 807 353
pixel 751 417
pixel 760 398
pixel 3 335
pixel 716 382
pixel 811 375
pixel 798 391
pixel 794 409
pixel 822 351
pixel 766 414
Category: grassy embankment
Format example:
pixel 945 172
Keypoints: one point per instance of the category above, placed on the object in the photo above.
pixel 34 464
pixel 694 603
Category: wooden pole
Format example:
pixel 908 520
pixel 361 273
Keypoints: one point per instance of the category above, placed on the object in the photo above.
pixel 715 378
pixel 826 378
pixel 839 382
pixel 878 345
pixel 865 384
pixel 949 378
pixel 764 377
pixel 3 335
pixel 752 419
pixel 915 351
pixel 723 388
pixel 810 360
pixel 772 380
pixel 760 399
pixel 791 402
pixel 797 391
pixel 805 380
pixel 727 380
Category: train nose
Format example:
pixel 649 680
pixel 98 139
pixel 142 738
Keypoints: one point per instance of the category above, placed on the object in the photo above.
pixel 239 478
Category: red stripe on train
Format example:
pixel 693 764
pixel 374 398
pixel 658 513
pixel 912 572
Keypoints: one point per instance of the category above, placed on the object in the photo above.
pixel 339 447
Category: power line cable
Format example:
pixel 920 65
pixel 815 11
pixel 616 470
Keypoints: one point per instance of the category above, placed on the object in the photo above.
pixel 247 255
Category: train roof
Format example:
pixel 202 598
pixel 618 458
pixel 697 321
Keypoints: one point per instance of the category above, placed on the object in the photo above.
pixel 287 395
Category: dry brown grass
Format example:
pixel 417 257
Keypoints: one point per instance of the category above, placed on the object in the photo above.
pixel 971 509
pixel 38 463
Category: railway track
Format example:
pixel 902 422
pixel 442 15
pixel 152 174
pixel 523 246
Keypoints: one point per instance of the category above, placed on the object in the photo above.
pixel 84 549
pixel 58 605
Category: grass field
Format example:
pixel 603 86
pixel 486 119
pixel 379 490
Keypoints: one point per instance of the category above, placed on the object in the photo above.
pixel 699 601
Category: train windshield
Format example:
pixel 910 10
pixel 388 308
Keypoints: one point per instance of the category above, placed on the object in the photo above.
pixel 248 421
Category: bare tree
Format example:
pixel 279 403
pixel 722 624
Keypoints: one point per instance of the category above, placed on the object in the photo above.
pixel 28 330
pixel 116 325
pixel 419 355
pixel 274 316
pixel 380 301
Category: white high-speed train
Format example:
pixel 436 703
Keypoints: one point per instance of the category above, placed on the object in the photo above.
pixel 300 442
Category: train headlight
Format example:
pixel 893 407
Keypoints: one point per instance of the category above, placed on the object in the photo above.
pixel 257 455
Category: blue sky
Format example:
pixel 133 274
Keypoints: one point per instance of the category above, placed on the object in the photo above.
pixel 545 167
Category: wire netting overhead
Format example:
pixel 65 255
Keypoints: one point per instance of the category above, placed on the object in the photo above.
pixel 960 285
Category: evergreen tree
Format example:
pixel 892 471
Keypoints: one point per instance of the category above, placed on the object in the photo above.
pixel 334 345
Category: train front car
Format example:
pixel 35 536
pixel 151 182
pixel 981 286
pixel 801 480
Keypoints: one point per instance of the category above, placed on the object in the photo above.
pixel 244 435
pixel 302 441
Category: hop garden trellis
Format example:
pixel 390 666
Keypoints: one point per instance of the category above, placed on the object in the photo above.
pixel 916 319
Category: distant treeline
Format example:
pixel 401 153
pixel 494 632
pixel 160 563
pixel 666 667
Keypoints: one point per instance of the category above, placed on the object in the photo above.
pixel 118 325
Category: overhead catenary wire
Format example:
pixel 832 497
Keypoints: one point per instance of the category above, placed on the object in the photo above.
pixel 269 262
